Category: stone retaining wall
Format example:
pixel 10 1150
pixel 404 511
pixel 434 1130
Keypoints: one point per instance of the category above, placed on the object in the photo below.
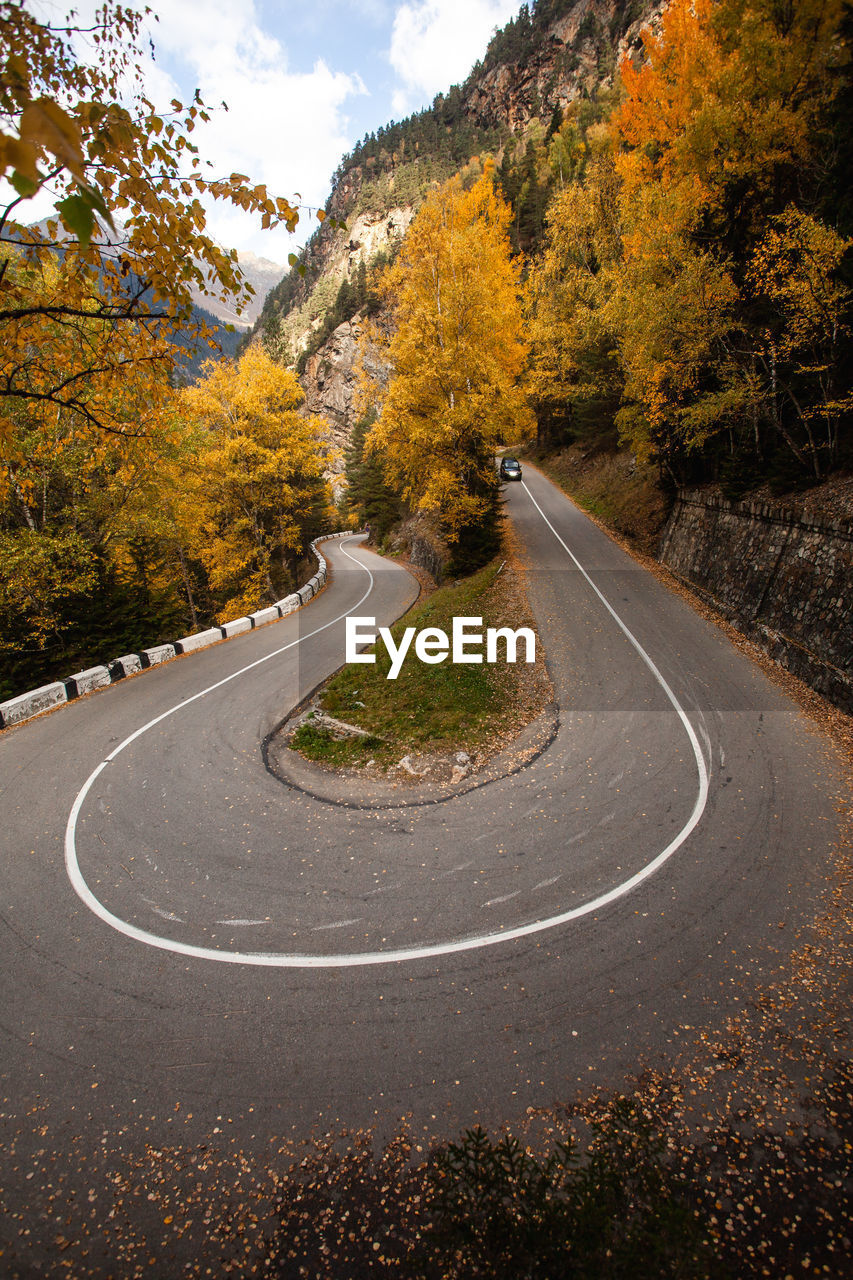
pixel 783 579
pixel 33 703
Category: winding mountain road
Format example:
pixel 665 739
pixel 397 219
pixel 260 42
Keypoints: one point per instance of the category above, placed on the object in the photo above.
pixel 183 931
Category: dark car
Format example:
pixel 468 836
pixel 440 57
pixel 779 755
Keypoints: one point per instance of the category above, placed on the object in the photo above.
pixel 510 469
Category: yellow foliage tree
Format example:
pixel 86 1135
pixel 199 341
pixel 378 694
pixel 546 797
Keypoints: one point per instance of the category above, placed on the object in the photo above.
pixel 76 371
pixel 84 511
pixel 129 221
pixel 92 303
pixel 718 131
pixel 795 272
pixel 258 479
pixel 726 100
pixel 569 303
pixel 690 270
pixel 457 355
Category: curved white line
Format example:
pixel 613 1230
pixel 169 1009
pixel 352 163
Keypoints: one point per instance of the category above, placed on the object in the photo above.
pixel 357 959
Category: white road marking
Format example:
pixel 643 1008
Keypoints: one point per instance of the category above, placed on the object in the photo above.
pixel 706 738
pixel 382 888
pixel 494 902
pixel 580 835
pixel 339 924
pixel 168 915
pixel 401 955
pixel 244 923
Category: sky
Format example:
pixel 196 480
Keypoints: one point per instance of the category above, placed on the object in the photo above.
pixel 304 80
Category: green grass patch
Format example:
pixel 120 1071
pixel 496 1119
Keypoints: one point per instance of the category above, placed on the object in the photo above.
pixel 318 743
pixel 427 708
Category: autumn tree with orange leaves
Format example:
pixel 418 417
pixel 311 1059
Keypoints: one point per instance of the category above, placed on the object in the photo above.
pixel 93 450
pixel 722 155
pixel 719 300
pixel 456 355
pixel 129 225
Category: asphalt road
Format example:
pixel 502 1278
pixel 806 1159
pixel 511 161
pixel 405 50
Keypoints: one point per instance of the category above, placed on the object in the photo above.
pixel 192 949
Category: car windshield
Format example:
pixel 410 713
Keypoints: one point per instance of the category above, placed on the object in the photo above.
pixel 510 464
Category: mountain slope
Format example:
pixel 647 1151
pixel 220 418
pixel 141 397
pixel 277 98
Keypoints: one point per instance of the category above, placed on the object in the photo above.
pixel 261 274
pixel 554 58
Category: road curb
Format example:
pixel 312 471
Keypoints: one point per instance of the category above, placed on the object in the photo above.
pixel 347 790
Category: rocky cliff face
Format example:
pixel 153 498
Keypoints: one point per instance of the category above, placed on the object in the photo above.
pixel 580 51
pixel 331 380
pixel 372 233
pixel 366 236
pixel 548 65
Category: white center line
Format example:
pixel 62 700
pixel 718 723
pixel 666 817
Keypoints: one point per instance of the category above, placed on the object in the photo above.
pixel 401 955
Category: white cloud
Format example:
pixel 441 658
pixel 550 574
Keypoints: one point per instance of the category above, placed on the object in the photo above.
pixel 287 126
pixel 284 128
pixel 435 43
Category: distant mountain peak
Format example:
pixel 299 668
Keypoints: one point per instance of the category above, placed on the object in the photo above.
pixel 262 274
pixel 251 261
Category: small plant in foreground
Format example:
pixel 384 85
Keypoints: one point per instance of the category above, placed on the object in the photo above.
pixel 618 1211
pixel 480 1209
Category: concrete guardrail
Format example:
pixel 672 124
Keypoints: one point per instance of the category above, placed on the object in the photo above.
pixel 36 701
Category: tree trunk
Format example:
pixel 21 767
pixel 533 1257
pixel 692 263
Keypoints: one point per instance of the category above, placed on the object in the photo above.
pixel 188 589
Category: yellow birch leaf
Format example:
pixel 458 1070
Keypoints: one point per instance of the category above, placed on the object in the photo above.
pixel 45 123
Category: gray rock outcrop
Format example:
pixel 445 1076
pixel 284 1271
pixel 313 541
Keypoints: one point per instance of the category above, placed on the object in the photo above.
pixel 331 382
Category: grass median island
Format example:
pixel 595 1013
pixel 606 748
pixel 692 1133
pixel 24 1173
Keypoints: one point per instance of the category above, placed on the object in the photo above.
pixel 443 707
